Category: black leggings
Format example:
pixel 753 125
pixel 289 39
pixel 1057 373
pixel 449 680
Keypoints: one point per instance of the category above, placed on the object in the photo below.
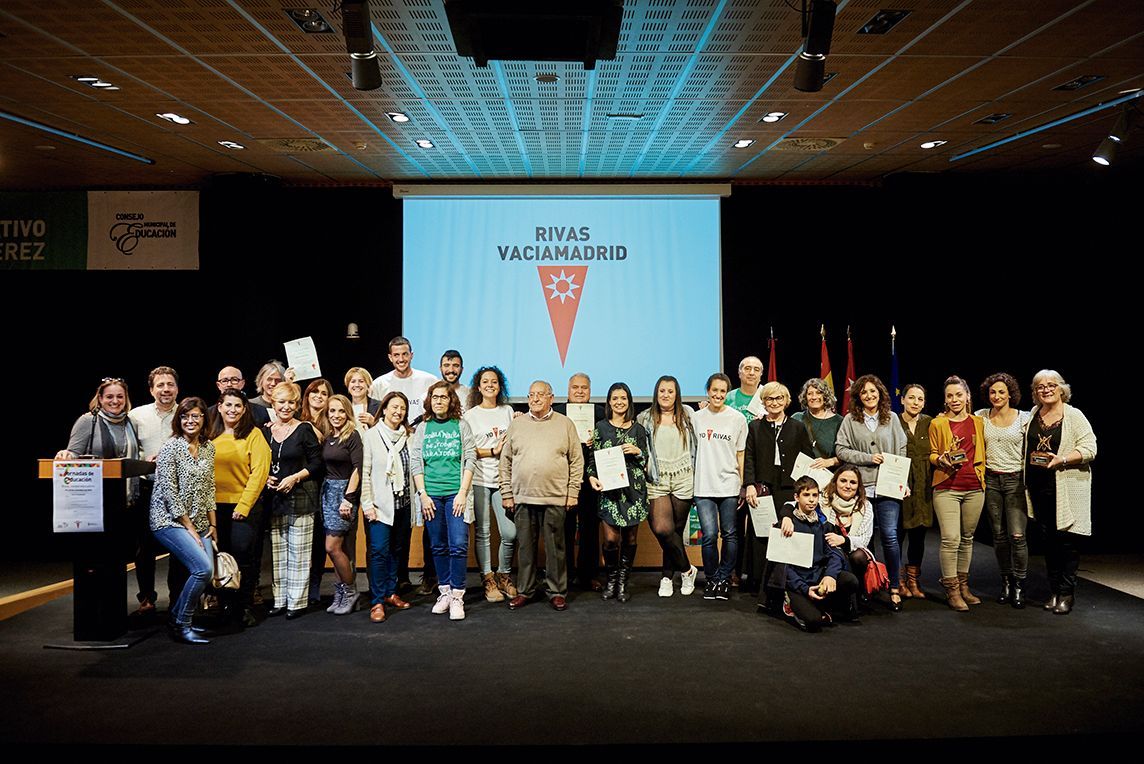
pixel 916 537
pixel 668 519
pixel 810 611
pixel 858 563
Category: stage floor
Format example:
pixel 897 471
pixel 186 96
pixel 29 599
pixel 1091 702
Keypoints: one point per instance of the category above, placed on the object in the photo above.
pixel 655 670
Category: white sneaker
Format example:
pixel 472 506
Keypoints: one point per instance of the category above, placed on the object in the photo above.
pixel 457 606
pixel 442 603
pixel 688 579
pixel 665 587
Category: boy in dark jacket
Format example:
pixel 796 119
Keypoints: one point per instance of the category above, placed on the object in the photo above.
pixel 826 585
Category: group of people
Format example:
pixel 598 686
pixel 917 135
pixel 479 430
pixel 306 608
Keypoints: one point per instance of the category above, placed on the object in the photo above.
pixel 411 448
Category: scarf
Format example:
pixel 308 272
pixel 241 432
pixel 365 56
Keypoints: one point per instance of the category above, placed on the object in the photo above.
pixel 394 440
pixel 844 510
pixel 810 519
pixel 112 448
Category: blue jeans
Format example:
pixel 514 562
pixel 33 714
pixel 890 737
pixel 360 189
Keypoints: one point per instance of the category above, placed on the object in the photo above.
pixel 1005 500
pixel 717 518
pixel 199 561
pixel 382 562
pixel 449 540
pixel 887 516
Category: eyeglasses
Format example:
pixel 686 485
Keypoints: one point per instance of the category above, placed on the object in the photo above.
pixel 1048 387
pixel 230 380
pixel 191 418
pixel 538 396
pixel 439 398
pixel 774 399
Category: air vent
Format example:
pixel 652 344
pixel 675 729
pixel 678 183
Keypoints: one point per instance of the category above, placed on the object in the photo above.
pixel 807 145
pixel 1080 82
pixel 883 22
pixel 993 119
pixel 295 145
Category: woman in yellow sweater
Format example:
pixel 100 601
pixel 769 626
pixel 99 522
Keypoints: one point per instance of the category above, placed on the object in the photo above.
pixel 242 462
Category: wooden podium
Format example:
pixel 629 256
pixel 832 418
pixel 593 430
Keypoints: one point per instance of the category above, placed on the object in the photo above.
pixel 99 560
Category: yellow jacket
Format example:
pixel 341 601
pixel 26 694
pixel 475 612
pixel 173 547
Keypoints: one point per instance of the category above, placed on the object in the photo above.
pixel 941 439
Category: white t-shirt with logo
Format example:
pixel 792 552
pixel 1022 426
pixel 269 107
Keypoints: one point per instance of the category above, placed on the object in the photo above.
pixel 413 387
pixel 719 438
pixel 488 425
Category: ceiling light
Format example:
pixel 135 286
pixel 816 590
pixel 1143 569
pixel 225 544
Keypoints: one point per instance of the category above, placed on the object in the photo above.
pixel 547 79
pixel 95 82
pixel 933 144
pixel 308 20
pixel 743 143
pixel 366 70
pixel 85 79
pixel 45 147
pixel 882 22
pixel 628 116
pixel 231 145
pixel 397 116
pixel 993 119
pixel 1051 146
pixel 1080 82
pixel 171 116
pixel 425 143
pixel 1105 152
pixel 773 116
pixel 1120 129
pixel 817 29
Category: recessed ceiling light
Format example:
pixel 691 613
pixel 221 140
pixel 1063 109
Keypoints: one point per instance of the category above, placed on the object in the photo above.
pixel 629 116
pixel 308 20
pixel 882 22
pixel 77 78
pixel 171 116
pixel 1080 82
pixel 743 143
pixel 933 144
pixel 45 147
pixel 397 116
pixel 231 145
pixel 547 79
pixel 828 77
pixel 773 116
pixel 95 82
pixel 1051 146
pixel 1130 90
pixel 993 119
pixel 425 143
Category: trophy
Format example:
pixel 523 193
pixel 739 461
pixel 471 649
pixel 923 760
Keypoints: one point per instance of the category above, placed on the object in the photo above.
pixel 956 454
pixel 1043 454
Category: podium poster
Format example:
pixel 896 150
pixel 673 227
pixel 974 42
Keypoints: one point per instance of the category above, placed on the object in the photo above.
pixel 77 497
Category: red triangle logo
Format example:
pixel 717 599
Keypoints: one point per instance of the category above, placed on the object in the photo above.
pixel 563 288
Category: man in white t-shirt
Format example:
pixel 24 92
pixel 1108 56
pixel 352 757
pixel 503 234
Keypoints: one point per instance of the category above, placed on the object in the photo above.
pixel 152 423
pixel 403 378
pixel 721 439
pixel 452 367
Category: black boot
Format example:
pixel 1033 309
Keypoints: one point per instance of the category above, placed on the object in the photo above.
pixel 627 559
pixel 186 635
pixel 1017 595
pixel 611 562
pixel 1006 590
pixel 1065 600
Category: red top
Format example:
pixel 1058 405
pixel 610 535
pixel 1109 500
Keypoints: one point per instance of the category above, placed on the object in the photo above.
pixel 965 479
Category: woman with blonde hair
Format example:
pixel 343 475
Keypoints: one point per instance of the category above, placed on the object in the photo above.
pixel 366 410
pixel 313 410
pixel 957 452
pixel 1059 446
pixel 341 491
pixel 291 498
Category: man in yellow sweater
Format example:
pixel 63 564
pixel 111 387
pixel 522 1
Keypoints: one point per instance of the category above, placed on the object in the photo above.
pixel 541 469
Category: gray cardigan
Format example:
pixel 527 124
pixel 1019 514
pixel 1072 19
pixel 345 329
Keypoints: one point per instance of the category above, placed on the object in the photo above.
pixel 857 445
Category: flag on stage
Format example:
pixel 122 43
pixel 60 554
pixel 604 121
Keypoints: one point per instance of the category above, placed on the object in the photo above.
pixel 772 375
pixel 824 362
pixel 849 372
pixel 895 383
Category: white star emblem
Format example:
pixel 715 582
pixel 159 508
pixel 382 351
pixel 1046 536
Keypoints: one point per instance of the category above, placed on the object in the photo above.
pixel 567 291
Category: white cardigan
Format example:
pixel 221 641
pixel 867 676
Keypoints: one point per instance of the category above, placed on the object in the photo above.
pixel 376 490
pixel 1074 482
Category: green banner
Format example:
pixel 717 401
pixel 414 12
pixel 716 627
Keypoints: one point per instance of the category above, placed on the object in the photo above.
pixel 43 231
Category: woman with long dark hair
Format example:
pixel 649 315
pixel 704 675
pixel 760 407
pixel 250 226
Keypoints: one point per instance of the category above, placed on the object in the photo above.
pixel 441 460
pixel 621 509
pixel 489 416
pixel 917 509
pixel 670 480
pixel 242 464
pixel 868 431
pixel 183 510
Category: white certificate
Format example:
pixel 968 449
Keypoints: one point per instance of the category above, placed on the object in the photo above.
pixel 763 516
pixel 77 497
pixel 611 467
pixel 359 408
pixel 302 357
pixel 583 415
pixel 802 463
pixel 893 476
pixel 796 549
pixel 755 405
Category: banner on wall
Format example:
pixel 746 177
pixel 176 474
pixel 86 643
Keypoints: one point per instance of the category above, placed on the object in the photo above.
pixel 100 230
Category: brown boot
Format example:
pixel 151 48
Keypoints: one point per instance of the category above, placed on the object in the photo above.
pixel 953 594
pixel 492 593
pixel 505 584
pixel 903 587
pixel 963 580
pixel 912 573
